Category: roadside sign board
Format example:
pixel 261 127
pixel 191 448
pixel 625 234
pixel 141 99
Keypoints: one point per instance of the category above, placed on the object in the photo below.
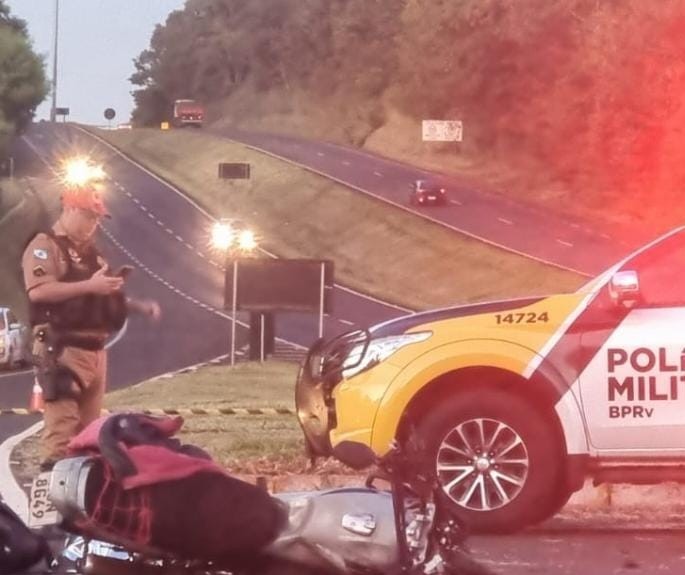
pixel 266 285
pixel 441 130
pixel 62 111
pixel 41 510
pixel 234 171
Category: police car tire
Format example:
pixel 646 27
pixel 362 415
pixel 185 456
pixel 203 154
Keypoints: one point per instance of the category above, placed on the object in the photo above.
pixel 540 495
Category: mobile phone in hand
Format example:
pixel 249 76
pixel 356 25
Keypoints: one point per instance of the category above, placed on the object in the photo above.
pixel 123 271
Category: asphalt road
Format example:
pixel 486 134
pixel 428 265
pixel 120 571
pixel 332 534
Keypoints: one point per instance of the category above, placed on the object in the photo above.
pixel 568 243
pixel 585 552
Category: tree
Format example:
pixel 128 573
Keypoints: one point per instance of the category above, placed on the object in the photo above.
pixel 22 78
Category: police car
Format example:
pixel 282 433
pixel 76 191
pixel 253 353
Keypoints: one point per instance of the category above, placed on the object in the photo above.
pixel 12 340
pixel 518 402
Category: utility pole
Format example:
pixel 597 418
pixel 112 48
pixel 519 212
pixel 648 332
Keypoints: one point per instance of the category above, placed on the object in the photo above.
pixel 53 110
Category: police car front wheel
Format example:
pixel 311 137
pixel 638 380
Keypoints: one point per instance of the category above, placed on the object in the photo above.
pixel 497 460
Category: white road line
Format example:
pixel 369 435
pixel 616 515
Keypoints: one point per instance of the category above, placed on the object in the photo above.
pixel 345 163
pixel 378 174
pixel 564 243
pixel 346 322
pixel 12 494
pixel 320 154
pixel 142 207
pixel 169 231
pixel 136 200
pixel 456 202
pixel 13 373
pixel 179 238
pixel 506 221
pixel 605 236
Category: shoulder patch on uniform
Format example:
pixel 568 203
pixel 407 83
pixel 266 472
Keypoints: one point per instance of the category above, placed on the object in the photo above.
pixel 40 254
pixel 39 271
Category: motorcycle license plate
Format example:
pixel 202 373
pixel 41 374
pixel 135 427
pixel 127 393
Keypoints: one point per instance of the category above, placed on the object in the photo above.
pixel 41 510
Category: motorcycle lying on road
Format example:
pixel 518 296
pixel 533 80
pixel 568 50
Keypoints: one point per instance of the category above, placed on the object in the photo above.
pixel 345 531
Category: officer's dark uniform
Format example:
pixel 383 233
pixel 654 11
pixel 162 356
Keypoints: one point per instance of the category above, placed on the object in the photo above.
pixel 69 337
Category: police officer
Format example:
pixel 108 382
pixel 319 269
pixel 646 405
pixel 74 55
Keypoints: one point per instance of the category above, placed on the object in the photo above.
pixel 75 303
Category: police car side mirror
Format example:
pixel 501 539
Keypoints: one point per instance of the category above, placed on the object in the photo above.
pixel 624 288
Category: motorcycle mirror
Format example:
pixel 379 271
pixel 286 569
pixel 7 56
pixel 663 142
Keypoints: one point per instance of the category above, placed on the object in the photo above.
pixel 355 455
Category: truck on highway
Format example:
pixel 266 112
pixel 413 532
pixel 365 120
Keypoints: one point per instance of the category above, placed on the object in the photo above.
pixel 188 113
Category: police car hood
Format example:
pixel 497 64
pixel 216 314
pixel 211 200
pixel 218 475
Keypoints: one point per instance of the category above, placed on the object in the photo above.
pixel 404 323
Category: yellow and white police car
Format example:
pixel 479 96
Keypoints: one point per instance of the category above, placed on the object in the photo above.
pixel 517 402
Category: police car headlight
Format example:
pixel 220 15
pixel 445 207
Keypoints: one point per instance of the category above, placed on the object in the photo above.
pixel 378 350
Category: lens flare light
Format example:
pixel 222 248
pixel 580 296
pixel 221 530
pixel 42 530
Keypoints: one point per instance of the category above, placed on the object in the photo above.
pixel 80 171
pixel 227 236
pixel 222 236
pixel 247 241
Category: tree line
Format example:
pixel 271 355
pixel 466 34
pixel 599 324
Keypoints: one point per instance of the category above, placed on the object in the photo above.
pixel 23 85
pixel 591 92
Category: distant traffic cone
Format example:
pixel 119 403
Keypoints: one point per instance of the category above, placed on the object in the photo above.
pixel 37 403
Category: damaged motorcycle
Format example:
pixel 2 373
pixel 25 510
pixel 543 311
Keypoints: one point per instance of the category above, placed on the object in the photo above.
pixel 390 525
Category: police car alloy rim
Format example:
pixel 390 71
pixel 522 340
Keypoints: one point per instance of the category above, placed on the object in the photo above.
pixel 482 464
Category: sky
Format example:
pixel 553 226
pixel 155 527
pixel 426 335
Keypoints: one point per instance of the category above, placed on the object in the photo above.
pixel 98 40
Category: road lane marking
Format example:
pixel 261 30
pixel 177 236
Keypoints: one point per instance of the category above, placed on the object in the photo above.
pixel 12 494
pixel 378 174
pixel 346 322
pixel 565 243
pixel 456 202
pixel 506 221
pixel 345 163
pixel 321 154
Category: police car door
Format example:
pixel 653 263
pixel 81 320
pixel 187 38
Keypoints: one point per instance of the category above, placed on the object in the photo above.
pixel 633 388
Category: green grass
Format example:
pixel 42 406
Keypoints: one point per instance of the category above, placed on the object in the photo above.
pixel 264 444
pixel 377 249
pixel 229 437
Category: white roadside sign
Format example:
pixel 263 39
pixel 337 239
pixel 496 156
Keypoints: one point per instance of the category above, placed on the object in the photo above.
pixel 441 130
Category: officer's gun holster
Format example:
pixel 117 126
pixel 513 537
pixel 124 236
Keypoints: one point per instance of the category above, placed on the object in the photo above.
pixel 55 379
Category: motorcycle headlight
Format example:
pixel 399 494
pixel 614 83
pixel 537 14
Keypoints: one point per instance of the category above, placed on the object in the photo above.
pixel 377 350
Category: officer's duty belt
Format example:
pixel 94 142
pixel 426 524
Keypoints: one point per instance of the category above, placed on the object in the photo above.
pixel 82 342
